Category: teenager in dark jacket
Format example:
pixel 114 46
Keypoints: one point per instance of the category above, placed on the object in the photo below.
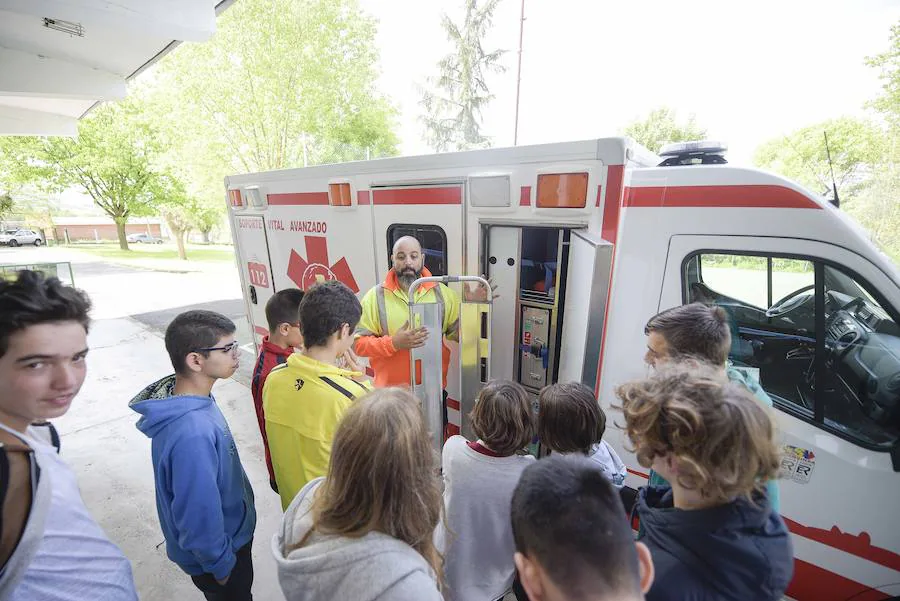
pixel 713 534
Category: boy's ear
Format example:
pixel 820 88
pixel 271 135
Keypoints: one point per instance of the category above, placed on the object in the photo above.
pixel 645 565
pixel 284 329
pixel 530 576
pixel 194 362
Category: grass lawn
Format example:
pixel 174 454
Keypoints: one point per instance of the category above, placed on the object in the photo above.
pixel 158 252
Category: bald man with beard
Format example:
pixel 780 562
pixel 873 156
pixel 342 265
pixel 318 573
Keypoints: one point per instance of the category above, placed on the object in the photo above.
pixel 384 334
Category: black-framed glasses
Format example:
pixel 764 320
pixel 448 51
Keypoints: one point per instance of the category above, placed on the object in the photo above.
pixel 228 348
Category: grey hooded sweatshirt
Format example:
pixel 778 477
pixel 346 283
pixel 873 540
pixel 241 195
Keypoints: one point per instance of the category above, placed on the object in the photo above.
pixel 375 567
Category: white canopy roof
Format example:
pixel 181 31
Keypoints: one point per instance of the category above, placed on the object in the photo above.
pixel 58 58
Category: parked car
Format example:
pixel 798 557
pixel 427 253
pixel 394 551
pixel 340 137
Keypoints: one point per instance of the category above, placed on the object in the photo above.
pixel 143 239
pixel 20 237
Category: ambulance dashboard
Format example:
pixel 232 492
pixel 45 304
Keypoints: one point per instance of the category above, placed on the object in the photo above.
pixel 863 345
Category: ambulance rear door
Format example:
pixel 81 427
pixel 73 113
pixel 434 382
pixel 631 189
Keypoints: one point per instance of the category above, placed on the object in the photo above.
pixel 254 263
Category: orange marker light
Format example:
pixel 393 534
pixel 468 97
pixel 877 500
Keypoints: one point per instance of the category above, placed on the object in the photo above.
pixel 339 195
pixel 562 191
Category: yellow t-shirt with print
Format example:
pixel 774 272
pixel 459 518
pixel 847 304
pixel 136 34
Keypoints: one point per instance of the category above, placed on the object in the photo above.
pixel 304 401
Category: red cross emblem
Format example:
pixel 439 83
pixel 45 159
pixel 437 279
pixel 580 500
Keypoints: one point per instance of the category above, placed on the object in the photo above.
pixel 315 268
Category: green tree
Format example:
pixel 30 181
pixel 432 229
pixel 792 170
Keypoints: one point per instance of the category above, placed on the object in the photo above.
pixel 856 145
pixel 177 208
pixel 282 83
pixel 661 127
pixel 876 208
pixel 112 160
pixel 206 217
pixel 37 207
pixel 6 205
pixel 458 95
pixel 20 166
pixel 888 62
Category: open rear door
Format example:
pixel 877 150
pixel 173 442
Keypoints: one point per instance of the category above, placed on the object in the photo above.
pixel 590 261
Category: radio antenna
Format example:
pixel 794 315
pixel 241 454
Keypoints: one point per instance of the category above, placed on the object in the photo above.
pixel 835 201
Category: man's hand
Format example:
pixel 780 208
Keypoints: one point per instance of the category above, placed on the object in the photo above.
pixel 350 361
pixel 407 338
pixel 223 582
pixel 480 293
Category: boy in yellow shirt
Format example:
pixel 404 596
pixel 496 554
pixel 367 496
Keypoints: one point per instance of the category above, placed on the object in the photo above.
pixel 305 398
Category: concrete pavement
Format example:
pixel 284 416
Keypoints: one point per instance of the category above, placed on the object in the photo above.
pixel 99 439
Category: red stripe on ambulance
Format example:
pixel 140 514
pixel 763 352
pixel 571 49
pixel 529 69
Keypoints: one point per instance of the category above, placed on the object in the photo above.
pixel 859 545
pixel 744 196
pixel 418 196
pixel 609 229
pixel 525 196
pixel 298 198
pixel 638 474
pixel 611 207
pixel 813 582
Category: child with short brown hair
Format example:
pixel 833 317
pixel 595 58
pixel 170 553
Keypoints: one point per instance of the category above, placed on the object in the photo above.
pixel 713 534
pixel 283 339
pixel 571 421
pixel 479 479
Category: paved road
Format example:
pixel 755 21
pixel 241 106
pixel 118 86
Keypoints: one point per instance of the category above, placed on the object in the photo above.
pixel 132 308
pixel 151 297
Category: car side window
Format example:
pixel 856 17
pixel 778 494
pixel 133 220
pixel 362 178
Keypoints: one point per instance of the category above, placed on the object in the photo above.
pixel 853 388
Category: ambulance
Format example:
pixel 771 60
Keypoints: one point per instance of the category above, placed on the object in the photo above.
pixel 585 241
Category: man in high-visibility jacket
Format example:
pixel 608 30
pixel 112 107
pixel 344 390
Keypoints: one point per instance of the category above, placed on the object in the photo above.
pixel 384 334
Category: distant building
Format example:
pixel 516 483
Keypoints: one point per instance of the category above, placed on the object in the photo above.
pixel 77 229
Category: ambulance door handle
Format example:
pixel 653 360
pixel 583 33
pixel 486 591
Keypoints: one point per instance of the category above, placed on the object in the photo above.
pixel 253 298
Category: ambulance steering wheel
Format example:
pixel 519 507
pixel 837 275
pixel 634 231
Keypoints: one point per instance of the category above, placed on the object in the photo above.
pixel 791 302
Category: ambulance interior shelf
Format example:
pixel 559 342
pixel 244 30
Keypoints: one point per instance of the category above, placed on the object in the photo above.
pixel 538 265
pixel 539 288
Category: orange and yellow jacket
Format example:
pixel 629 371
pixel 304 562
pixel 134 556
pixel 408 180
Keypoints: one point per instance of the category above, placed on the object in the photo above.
pixel 384 311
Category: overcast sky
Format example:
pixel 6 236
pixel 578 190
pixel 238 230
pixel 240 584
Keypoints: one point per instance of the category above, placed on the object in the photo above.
pixel 592 66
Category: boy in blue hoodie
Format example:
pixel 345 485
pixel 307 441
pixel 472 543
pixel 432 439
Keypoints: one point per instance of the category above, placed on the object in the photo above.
pixel 203 497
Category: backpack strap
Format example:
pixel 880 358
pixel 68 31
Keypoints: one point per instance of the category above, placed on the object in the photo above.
pixel 47 432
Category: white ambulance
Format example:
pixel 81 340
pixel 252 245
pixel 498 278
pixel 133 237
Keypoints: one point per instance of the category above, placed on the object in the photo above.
pixel 586 241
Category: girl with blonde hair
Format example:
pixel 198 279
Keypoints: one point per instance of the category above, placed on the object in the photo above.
pixel 365 531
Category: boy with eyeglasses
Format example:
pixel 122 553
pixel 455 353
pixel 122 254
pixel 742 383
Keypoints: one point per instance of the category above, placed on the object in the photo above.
pixel 203 497
pixel 283 340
